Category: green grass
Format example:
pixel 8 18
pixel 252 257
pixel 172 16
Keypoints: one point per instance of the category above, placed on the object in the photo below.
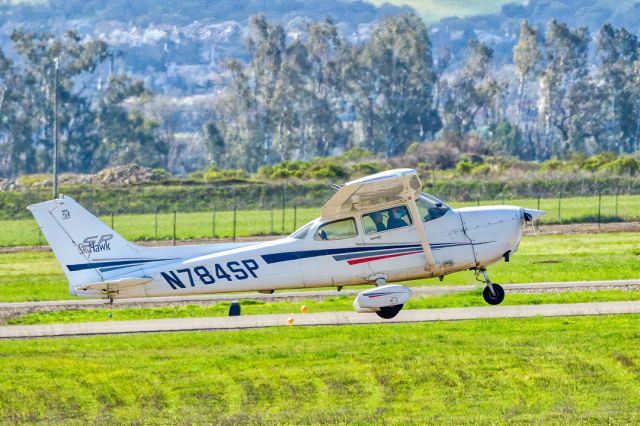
pixel 137 227
pixel 433 10
pixel 29 276
pixel 523 371
pixel 342 303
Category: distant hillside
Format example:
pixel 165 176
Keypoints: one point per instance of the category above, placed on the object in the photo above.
pixel 177 46
pixel 500 30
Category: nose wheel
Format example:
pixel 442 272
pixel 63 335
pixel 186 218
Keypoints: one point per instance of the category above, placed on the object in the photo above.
pixel 493 293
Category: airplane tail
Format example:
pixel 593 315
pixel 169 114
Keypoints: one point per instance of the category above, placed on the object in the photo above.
pixel 87 249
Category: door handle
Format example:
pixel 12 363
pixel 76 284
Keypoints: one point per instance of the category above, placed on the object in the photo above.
pixel 375 238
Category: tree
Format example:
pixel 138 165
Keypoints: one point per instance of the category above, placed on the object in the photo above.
pixel 17 124
pixel 400 83
pixel 562 85
pixel 40 52
pixel 214 142
pixel 527 59
pixel 617 50
pixel 125 136
pixel 470 97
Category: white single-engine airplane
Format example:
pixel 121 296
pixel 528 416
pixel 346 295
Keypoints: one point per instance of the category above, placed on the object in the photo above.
pixel 376 230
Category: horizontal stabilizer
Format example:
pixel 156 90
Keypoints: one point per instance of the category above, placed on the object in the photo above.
pixel 113 286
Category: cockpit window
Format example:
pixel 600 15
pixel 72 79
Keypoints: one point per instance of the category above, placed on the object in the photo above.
pixel 384 220
pixel 338 230
pixel 301 233
pixel 430 208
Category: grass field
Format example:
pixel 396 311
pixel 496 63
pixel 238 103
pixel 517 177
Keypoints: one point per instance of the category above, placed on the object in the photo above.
pixel 433 10
pixel 26 276
pixel 343 303
pixel 533 371
pixel 265 222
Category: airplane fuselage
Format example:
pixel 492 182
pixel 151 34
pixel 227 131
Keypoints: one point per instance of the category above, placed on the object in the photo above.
pixel 460 239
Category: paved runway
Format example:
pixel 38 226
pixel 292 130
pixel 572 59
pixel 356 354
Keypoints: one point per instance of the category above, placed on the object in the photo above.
pixel 327 318
pixel 282 296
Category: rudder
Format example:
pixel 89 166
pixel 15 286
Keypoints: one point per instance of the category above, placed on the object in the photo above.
pixel 80 241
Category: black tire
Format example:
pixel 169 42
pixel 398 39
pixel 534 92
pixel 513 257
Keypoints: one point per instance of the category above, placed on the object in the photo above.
pixel 493 299
pixel 389 312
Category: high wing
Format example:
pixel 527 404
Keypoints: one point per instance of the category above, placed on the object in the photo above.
pixel 379 190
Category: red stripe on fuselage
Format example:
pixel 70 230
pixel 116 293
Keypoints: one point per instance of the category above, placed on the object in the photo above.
pixel 372 258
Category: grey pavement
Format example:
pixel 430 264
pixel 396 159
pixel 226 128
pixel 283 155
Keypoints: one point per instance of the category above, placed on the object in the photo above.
pixel 303 295
pixel 326 318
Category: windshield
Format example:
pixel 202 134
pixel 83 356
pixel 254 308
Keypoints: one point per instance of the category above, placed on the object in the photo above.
pixel 301 233
pixel 430 207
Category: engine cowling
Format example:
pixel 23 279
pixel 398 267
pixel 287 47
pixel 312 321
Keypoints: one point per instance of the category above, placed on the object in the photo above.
pixel 380 297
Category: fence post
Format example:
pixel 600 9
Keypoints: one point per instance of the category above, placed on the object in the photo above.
pixel 478 201
pixel 112 215
pixel 272 229
pixel 616 202
pixel 235 211
pixel 155 225
pixel 538 202
pixel 559 206
pixel 213 222
pixel 284 204
pixel 599 208
pixel 295 217
pixel 175 214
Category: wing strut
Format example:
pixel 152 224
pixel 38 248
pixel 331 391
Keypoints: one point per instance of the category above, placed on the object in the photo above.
pixel 424 240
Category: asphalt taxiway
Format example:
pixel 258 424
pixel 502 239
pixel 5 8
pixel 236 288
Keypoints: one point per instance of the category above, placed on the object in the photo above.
pixel 315 319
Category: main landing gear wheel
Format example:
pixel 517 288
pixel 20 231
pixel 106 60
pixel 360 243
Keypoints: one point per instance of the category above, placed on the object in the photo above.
pixel 389 312
pixel 497 297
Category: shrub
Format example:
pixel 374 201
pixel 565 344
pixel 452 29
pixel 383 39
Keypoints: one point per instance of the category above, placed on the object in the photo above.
pixel 481 170
pixel 552 165
pixel 285 169
pixel 464 167
pixel 357 154
pixel 326 168
pixel 214 173
pixel 595 162
pixel 363 169
pixel 622 166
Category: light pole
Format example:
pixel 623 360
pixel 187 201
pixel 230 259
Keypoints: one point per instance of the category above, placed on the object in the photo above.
pixel 55 130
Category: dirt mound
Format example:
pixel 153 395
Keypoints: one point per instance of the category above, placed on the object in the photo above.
pixel 131 174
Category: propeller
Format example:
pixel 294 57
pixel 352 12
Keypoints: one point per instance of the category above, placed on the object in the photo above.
pixel 531 215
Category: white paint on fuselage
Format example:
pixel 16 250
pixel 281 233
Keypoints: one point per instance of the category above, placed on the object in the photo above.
pixel 460 239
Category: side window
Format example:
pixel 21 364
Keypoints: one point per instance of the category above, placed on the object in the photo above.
pixel 430 209
pixel 338 230
pixel 384 220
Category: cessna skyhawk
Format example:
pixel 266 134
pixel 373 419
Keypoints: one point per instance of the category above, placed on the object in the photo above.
pixel 375 230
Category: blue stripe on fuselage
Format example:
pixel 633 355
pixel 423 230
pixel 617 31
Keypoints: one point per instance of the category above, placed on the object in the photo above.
pixel 111 263
pixel 305 254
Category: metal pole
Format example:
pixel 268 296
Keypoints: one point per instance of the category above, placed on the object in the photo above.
pixel 155 228
pixel 112 216
pixel 616 202
pixel 56 148
pixel 559 205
